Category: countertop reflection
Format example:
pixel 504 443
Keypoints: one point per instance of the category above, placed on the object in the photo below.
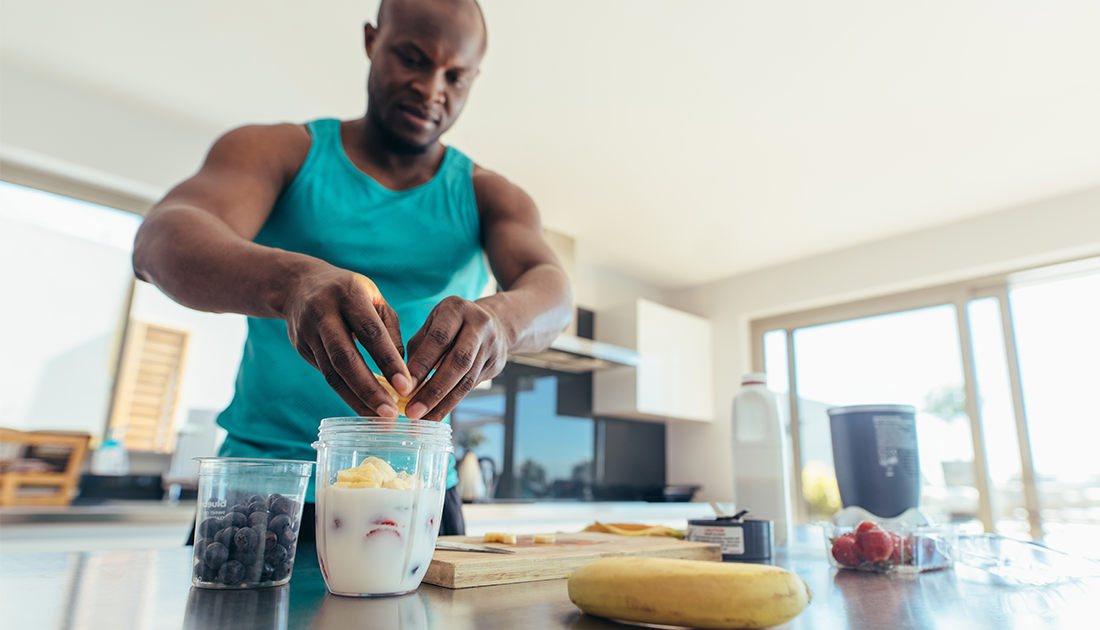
pixel 152 590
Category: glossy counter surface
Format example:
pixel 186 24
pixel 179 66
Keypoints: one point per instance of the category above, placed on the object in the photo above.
pixel 152 590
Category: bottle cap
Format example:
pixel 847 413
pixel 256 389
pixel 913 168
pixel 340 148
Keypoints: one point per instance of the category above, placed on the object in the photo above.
pixel 755 378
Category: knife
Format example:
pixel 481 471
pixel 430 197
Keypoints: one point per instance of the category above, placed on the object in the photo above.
pixel 457 546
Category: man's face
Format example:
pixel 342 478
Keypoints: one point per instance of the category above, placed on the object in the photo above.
pixel 424 57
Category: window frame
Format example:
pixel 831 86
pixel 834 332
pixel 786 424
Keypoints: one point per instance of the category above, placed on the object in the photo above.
pixel 92 187
pixel 958 294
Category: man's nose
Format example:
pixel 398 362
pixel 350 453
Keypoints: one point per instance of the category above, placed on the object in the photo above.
pixel 432 86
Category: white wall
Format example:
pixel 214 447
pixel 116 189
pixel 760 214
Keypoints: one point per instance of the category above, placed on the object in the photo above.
pixel 598 288
pixel 1031 235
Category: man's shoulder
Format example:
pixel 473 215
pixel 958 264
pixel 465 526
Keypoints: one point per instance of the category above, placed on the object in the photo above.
pixel 491 183
pixel 278 150
pixel 279 136
pixel 497 195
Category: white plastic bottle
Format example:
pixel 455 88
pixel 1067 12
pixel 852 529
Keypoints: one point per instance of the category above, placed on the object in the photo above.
pixel 111 458
pixel 760 460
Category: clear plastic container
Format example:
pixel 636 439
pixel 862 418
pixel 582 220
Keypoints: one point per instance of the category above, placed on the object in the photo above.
pixel 911 550
pixel 1020 562
pixel 249 514
pixel 380 486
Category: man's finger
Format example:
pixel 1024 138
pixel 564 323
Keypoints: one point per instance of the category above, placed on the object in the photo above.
pixel 433 340
pixel 380 334
pixel 350 369
pixel 456 365
pixel 336 382
pixel 465 385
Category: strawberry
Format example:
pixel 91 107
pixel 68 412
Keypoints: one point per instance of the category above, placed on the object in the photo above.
pixel 873 543
pixel 896 555
pixel 384 531
pixel 844 550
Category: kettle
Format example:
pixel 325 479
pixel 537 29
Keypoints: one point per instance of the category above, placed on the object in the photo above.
pixel 476 478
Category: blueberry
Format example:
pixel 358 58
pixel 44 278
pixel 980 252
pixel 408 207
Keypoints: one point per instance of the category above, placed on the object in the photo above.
pixel 276 555
pixel 215 555
pixel 244 557
pixel 279 523
pixel 266 573
pixel 287 537
pixel 225 536
pixel 246 539
pixel 209 527
pixel 232 572
pixel 282 569
pixel 270 540
pixel 239 509
pixel 257 498
pixel 200 546
pixel 236 519
pixel 256 520
pixel 281 504
pixel 257 506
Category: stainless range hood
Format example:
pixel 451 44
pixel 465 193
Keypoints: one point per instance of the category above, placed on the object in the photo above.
pixel 570 352
pixel 577 355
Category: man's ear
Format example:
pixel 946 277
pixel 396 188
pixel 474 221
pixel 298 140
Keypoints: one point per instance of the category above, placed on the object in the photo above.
pixel 370 36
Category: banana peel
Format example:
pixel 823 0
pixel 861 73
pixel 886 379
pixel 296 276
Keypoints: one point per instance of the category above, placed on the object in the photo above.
pixel 633 529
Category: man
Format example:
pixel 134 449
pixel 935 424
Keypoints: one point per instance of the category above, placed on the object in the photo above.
pixel 367 231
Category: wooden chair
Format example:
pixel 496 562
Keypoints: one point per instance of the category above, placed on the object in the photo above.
pixel 53 487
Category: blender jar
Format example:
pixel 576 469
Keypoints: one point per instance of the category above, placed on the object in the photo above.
pixel 249 513
pixel 380 486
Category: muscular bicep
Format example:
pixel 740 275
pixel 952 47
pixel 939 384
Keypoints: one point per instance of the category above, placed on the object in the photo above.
pixel 511 230
pixel 244 173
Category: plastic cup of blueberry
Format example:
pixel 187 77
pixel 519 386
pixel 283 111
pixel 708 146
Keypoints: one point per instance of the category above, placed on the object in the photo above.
pixel 249 514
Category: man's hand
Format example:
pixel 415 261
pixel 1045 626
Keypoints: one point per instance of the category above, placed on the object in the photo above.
pixel 469 344
pixel 328 310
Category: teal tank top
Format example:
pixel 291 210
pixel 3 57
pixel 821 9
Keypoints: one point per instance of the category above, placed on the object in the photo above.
pixel 418 246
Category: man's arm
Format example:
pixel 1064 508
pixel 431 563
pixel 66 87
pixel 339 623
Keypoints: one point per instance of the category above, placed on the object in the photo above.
pixel 196 245
pixel 470 341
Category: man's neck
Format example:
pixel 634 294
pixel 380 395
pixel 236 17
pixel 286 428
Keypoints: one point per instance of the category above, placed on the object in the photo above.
pixel 382 158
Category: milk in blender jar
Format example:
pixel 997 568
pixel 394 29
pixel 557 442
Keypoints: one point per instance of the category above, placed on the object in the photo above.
pixel 380 485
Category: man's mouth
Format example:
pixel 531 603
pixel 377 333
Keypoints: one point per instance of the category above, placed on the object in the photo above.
pixel 418 116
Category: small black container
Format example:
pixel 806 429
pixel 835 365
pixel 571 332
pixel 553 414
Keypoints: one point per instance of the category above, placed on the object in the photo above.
pixel 741 540
pixel 875 456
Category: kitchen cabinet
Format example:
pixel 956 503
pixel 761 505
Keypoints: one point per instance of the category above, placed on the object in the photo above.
pixel 673 380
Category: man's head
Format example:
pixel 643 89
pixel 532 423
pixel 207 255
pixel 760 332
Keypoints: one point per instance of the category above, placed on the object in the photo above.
pixel 424 57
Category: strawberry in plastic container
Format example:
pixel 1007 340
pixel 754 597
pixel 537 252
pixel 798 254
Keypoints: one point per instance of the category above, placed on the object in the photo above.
pixel 873 543
pixel 873 547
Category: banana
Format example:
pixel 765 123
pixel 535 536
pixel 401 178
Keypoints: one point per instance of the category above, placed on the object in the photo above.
pixel 633 529
pixel 692 593
pixel 398 399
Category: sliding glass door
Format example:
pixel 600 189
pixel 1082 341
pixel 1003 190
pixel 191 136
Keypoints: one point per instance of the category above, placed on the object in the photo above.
pixel 1003 373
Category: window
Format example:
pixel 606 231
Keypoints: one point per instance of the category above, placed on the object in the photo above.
pixel 74 318
pixel 65 278
pixel 1001 371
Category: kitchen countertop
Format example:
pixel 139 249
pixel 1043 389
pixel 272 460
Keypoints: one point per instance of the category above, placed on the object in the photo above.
pixel 151 589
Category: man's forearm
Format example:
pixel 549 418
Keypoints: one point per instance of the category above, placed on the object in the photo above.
pixel 200 262
pixel 535 309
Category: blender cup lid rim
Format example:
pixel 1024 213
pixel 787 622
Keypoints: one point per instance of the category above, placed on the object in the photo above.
pixel 836 411
pixel 257 460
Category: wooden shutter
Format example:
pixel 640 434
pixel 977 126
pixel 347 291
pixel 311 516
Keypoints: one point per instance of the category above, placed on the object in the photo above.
pixel 147 394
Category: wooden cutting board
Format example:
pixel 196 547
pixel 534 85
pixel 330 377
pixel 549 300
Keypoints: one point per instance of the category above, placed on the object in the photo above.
pixel 531 562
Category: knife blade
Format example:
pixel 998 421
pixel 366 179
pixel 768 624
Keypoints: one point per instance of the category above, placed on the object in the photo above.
pixel 457 546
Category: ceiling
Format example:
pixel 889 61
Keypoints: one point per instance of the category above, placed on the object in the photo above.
pixel 679 142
